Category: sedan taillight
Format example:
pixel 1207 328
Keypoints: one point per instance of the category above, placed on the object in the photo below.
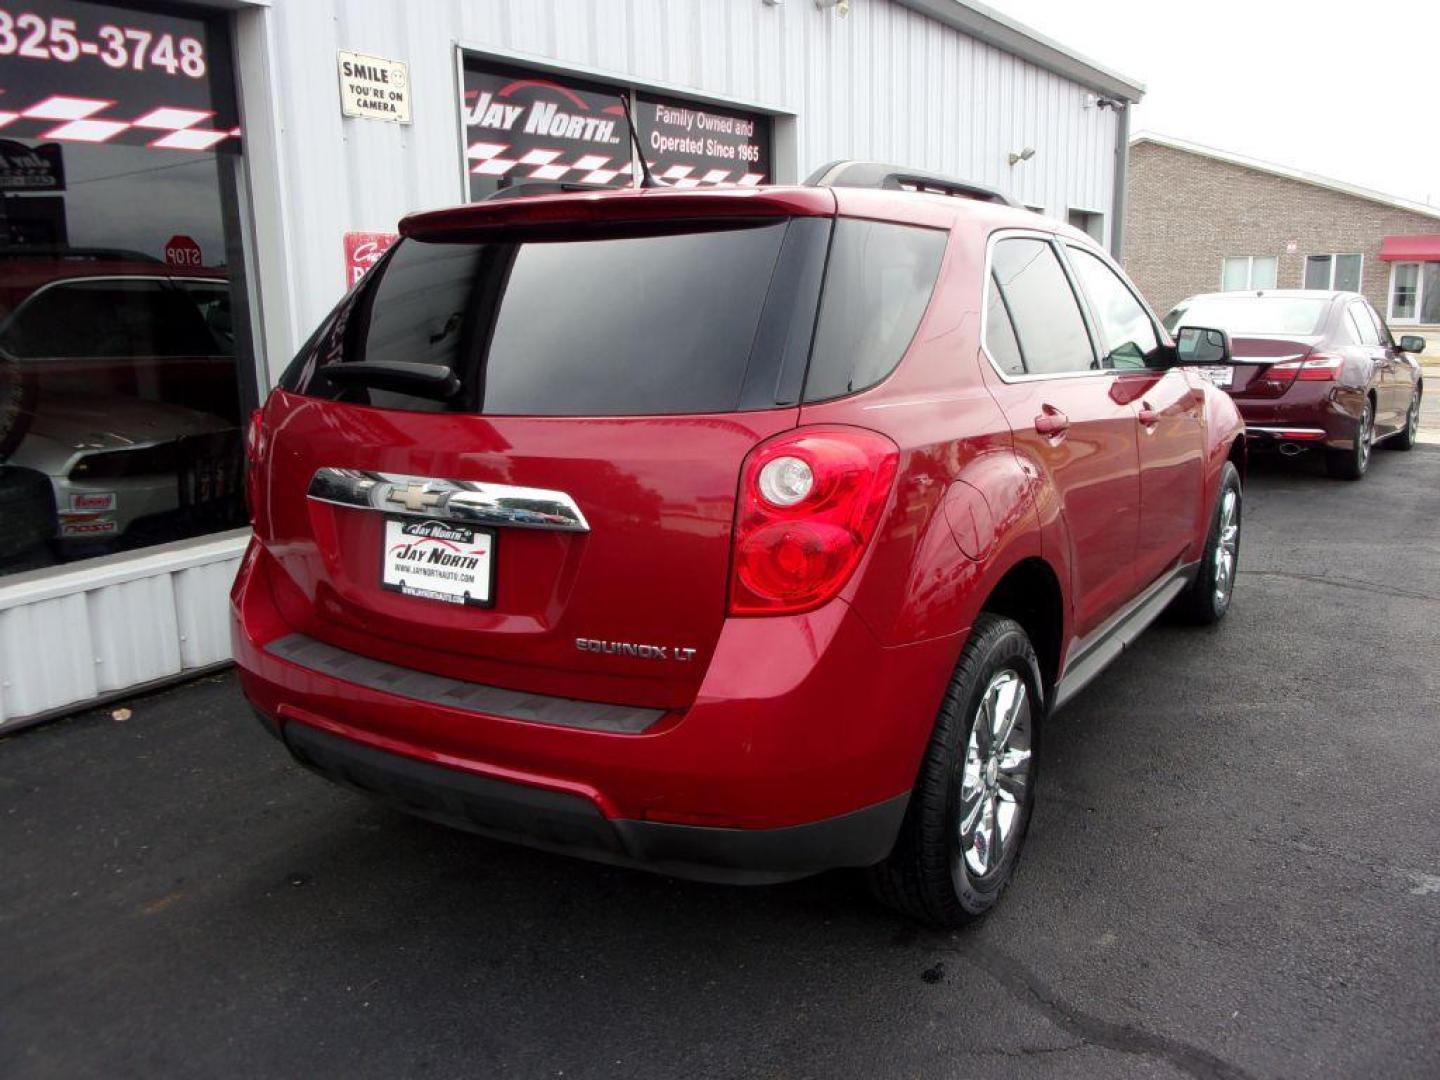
pixel 1320 369
pixel 810 501
pixel 1277 378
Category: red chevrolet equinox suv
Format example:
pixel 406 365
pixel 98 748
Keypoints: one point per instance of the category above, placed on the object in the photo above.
pixel 737 534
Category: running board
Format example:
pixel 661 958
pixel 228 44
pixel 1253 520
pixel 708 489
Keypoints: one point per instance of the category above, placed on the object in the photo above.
pixel 1115 636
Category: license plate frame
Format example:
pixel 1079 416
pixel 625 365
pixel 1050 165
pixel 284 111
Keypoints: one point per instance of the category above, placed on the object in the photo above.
pixel 1218 375
pixel 449 539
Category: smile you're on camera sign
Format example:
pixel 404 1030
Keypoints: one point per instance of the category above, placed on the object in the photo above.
pixel 374 87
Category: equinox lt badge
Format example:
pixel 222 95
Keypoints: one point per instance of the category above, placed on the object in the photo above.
pixel 626 648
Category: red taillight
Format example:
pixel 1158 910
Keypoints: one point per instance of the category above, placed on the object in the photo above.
pixel 1275 379
pixel 802 526
pixel 1278 378
pixel 1320 369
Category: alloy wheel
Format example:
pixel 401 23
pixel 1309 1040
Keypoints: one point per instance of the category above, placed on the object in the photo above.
pixel 1412 422
pixel 1227 547
pixel 1362 438
pixel 995 784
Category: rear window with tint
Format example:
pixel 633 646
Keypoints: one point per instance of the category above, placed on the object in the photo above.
pixel 1251 315
pixel 672 323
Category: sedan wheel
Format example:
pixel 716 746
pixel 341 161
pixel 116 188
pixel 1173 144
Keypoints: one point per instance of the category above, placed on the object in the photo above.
pixel 1409 435
pixel 1351 464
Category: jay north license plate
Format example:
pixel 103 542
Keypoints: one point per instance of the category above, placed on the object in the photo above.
pixel 439 560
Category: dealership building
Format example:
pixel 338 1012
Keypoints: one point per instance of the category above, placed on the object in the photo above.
pixel 186 189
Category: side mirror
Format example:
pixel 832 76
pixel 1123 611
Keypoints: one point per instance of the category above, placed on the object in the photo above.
pixel 1412 343
pixel 1202 345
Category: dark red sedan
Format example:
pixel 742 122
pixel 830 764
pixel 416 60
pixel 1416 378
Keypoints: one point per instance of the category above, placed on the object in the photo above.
pixel 1313 369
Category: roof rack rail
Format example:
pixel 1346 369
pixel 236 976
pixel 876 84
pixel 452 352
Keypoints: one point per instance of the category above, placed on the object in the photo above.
pixel 875 174
pixel 542 187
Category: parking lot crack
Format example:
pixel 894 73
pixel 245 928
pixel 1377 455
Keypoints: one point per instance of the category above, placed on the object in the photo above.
pixel 1345 583
pixel 1025 986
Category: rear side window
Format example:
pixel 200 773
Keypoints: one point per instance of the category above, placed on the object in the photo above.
pixel 1371 331
pixel 1046 316
pixel 667 323
pixel 1000 338
pixel 877 287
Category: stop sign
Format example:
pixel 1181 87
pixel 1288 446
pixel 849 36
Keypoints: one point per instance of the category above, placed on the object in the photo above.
pixel 182 251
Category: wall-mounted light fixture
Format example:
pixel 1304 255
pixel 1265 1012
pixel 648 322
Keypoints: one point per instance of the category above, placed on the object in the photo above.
pixel 1023 155
pixel 842 7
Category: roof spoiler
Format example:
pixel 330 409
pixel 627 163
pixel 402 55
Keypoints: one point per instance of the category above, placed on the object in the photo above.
pixel 875 174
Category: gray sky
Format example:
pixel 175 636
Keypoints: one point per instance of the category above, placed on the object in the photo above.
pixel 1348 90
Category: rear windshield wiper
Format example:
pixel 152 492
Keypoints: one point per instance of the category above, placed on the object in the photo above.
pixel 435 381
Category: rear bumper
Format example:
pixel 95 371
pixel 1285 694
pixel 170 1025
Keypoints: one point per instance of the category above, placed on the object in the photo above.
pixel 797 755
pixel 571 824
pixel 1306 415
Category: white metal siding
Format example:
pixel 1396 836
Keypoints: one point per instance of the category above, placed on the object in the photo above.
pixel 84 632
pixel 884 83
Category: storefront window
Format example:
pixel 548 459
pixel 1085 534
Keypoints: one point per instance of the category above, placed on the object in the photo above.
pixel 1415 292
pixel 524 126
pixel 124 364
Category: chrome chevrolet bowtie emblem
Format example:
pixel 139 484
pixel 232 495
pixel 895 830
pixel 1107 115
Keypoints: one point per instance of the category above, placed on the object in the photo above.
pixel 414 497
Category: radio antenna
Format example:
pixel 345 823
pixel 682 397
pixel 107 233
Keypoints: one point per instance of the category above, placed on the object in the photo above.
pixel 646 179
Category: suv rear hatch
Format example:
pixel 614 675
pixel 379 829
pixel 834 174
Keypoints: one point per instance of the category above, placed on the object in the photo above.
pixel 558 393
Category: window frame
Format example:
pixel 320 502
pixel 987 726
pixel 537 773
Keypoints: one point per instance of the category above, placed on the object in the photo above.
pixel 1334 257
pixel 1414 320
pixel 1056 245
pixel 1249 272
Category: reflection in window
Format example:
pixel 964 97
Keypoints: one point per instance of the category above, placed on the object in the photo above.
pixel 1000 338
pixel 1125 328
pixel 1047 318
pixel 119 397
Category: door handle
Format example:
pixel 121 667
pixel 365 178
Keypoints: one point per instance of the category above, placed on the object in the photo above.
pixel 1052 422
pixel 1147 415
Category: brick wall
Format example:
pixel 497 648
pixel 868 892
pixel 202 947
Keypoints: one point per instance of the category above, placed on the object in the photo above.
pixel 1186 212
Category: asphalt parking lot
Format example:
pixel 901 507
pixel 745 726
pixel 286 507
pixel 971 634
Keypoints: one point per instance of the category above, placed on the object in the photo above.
pixel 1234 870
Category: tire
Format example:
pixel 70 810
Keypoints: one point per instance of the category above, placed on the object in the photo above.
pixel 17 404
pixel 1206 600
pixel 1351 464
pixel 1409 433
pixel 938 873
pixel 27 511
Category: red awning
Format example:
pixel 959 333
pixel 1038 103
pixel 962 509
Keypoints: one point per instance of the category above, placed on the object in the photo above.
pixel 1411 248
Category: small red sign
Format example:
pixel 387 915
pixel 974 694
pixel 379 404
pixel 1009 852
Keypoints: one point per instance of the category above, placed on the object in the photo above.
pixel 362 251
pixel 183 252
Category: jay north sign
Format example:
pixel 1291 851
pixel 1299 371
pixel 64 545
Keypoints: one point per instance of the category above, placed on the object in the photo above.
pixel 529 125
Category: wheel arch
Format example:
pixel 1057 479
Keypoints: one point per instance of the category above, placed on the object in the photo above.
pixel 1030 593
pixel 1239 455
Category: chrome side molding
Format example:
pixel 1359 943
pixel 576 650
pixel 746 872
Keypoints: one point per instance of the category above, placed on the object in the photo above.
pixel 471 501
